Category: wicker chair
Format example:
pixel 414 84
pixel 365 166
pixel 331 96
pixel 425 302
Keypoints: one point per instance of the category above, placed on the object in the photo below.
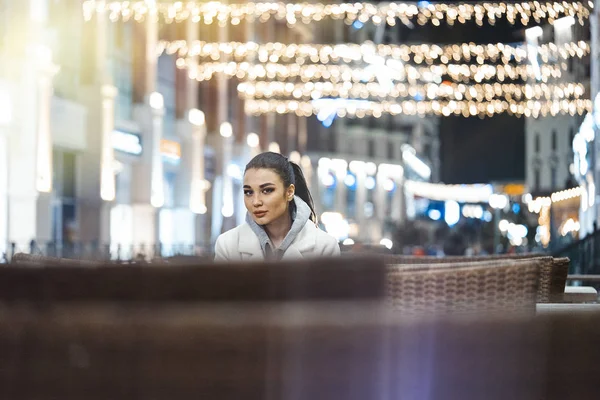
pixel 552 277
pixel 509 285
pixel 40 260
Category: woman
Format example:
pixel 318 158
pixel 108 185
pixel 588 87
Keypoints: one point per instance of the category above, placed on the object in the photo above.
pixel 281 220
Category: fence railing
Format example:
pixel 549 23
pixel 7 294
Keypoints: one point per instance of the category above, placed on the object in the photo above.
pixel 584 254
pixel 105 251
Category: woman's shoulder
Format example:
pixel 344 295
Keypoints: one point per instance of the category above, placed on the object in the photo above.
pixel 232 233
pixel 319 233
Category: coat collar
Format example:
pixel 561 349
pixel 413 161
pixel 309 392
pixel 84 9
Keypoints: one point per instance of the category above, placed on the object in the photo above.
pixel 249 245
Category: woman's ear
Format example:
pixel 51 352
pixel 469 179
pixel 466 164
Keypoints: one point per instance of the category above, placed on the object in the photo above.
pixel 290 192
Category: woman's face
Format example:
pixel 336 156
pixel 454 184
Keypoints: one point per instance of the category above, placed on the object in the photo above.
pixel 265 196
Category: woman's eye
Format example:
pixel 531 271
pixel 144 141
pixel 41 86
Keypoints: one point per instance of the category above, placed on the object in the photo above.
pixel 267 191
pixel 247 192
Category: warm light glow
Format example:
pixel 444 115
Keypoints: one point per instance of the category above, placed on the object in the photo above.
pixel 393 55
pixel 274 147
pixel 431 91
pixel 253 140
pixel 226 130
pixel 295 157
pixel 196 117
pixel 337 73
pixel 360 109
pixel 156 101
pixel 422 13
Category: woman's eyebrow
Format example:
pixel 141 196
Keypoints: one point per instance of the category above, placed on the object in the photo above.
pixel 264 185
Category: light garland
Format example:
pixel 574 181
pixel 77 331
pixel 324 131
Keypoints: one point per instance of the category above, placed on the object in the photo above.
pixel 566 194
pixel 537 204
pixel 363 108
pixel 207 13
pixel 544 224
pixel 344 73
pixel 366 52
pixel 431 91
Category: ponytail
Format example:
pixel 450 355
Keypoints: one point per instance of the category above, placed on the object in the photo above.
pixel 302 190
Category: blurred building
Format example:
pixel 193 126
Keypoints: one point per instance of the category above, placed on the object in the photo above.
pixel 586 147
pixel 97 140
pixel 550 165
pixel 548 140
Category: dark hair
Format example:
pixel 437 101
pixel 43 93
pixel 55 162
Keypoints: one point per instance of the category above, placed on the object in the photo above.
pixel 289 172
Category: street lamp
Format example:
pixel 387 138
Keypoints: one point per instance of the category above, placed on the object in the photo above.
pixel 5 120
pixel 199 184
pixel 226 132
pixel 253 142
pixel 497 202
pixel 157 195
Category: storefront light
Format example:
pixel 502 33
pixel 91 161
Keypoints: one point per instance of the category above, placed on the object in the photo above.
pixel 196 117
pixel 156 101
pixel 252 140
pixel 350 180
pixel 5 108
pixel 370 183
pixel 389 185
pixel 226 130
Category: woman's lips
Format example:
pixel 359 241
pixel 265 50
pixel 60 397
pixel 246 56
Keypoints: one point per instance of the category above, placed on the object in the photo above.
pixel 259 214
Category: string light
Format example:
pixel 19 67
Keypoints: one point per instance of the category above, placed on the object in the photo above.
pixel 566 194
pixel 344 73
pixel 450 91
pixel 525 12
pixel 366 52
pixel 537 204
pixel 544 225
pixel 363 108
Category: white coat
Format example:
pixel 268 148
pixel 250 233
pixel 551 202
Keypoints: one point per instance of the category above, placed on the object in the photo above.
pixel 242 244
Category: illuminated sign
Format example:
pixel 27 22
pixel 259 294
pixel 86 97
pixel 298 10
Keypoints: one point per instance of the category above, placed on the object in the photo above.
pixel 126 142
pixel 170 150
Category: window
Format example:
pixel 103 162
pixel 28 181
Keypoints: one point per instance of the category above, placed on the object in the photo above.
pixel 390 151
pixel 553 177
pixel 554 140
pixel 351 199
pixel 371 150
pixel 537 143
pixel 536 179
pixel 571 135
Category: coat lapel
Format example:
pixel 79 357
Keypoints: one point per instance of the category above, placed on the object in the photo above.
pixel 248 244
pixel 305 242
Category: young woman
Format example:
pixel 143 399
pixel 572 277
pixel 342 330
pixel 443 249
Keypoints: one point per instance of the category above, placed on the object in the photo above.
pixel 281 220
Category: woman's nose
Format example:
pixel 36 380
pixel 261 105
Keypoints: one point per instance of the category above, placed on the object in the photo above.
pixel 256 202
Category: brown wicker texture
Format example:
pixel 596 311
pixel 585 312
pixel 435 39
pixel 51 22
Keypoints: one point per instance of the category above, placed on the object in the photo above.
pixel 402 259
pixel 39 260
pixel 292 353
pixel 552 278
pixel 468 287
pixel 327 278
